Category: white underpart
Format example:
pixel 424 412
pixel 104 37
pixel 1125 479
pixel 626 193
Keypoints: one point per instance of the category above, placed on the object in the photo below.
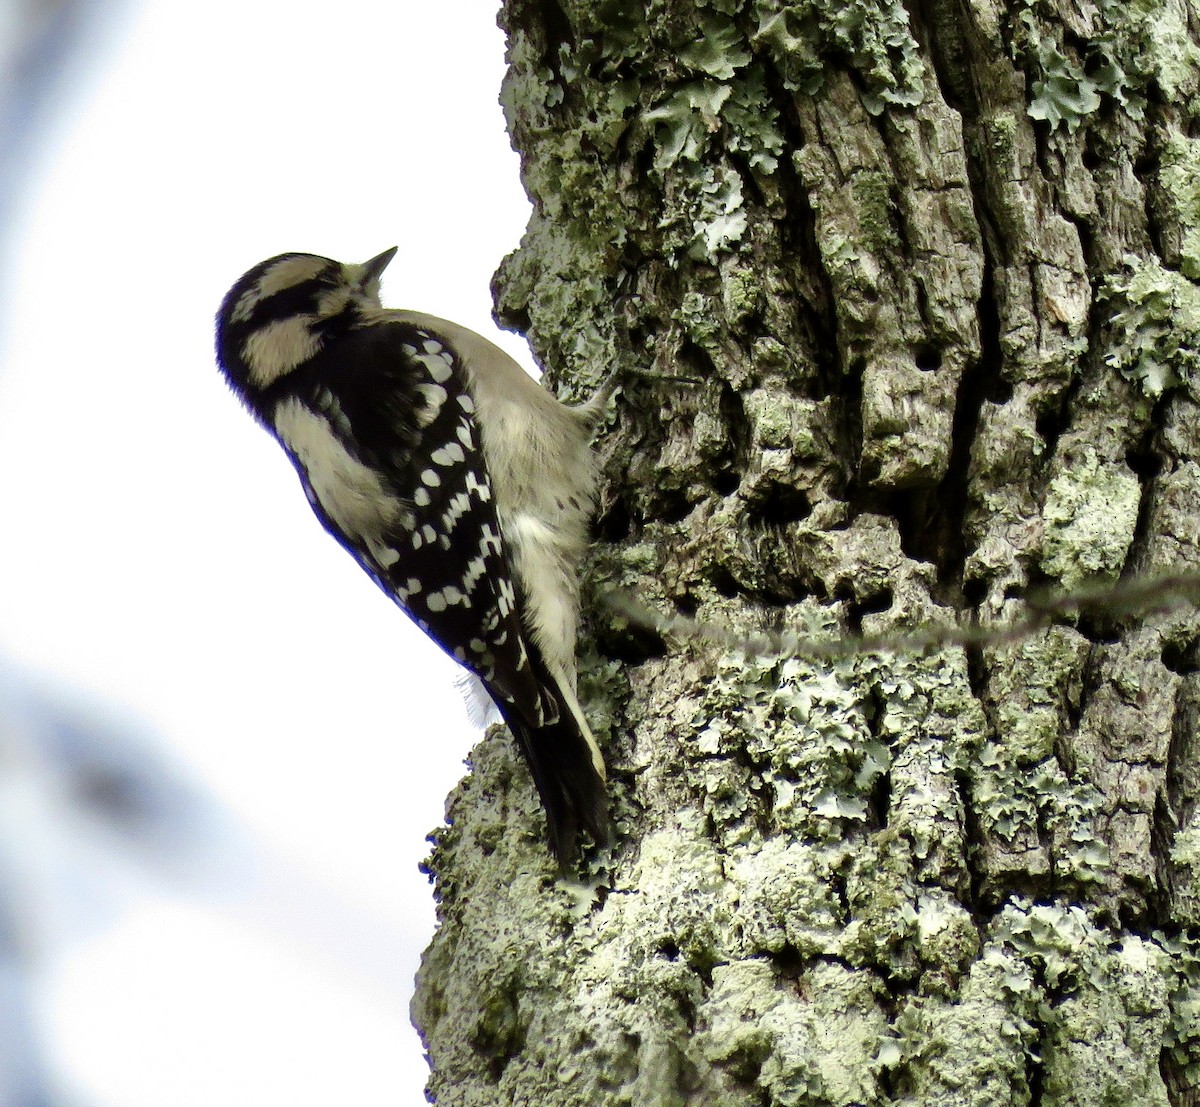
pixel 552 606
pixel 349 492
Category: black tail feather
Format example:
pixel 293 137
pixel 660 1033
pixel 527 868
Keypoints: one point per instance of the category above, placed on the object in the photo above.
pixel 572 791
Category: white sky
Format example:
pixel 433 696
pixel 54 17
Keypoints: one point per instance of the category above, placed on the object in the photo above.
pixel 160 554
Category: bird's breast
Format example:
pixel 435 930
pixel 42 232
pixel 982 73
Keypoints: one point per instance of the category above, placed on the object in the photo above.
pixel 352 495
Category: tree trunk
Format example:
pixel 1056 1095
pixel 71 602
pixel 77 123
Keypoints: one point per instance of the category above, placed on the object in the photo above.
pixel 902 302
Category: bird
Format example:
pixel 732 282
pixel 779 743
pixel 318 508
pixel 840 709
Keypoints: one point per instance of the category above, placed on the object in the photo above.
pixel 457 482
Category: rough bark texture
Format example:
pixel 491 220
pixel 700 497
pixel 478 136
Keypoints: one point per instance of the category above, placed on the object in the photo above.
pixel 902 298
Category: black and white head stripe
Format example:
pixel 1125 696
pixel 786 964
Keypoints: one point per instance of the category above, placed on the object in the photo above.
pixel 283 286
pixel 285 309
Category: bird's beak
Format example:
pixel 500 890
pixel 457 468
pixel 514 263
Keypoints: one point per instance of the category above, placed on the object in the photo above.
pixel 373 269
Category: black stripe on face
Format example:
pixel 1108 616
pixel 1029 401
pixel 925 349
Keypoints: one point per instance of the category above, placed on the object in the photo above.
pixel 282 287
pixel 299 299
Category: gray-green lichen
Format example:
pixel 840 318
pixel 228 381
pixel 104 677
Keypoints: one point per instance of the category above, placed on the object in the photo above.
pixel 1090 514
pixel 1061 94
pixel 1185 859
pixel 1118 50
pixel 1156 327
pixel 819 742
pixel 1180 178
pixel 1183 986
pixel 1052 991
pixel 799 1043
pixel 874 35
pixel 1165 48
pixel 710 114
pixel 813 956
pixel 1035 684
pixel 663 993
pixel 1020 803
pixel 1027 804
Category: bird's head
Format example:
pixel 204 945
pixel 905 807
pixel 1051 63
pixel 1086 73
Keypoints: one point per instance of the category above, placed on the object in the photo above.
pixel 280 313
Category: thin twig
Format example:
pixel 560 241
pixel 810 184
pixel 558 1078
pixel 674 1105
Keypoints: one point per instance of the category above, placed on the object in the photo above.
pixel 1134 596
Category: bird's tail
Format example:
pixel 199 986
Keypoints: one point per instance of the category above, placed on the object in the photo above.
pixel 567 772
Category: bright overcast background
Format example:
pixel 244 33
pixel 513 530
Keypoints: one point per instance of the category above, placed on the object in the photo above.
pixel 160 565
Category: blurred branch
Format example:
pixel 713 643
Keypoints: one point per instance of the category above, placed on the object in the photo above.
pixel 1135 596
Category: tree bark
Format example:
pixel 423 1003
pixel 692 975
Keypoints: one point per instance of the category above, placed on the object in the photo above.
pixel 902 301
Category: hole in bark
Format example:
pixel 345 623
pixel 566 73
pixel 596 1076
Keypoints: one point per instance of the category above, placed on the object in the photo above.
pixel 790 961
pixel 869 605
pixel 928 358
pixel 977 674
pixel 1093 62
pixel 837 885
pixel 1146 165
pixel 643 160
pixel 880 800
pixel 998 391
pixel 1048 425
pixel 1130 915
pixel 676 507
pixel 746 1061
pixel 1034 1075
pixel 1143 460
pixel 515 320
pixel 974 591
pixel 847 423
pixel 781 504
pixel 615 524
pixel 726 482
pixel 974 833
pixel 638 645
pixel 1182 657
pixel 1098 628
pixel 879 601
pixel 723 581
pixel 733 411
pixel 916 512
pixel 630 645
pixel 687 605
